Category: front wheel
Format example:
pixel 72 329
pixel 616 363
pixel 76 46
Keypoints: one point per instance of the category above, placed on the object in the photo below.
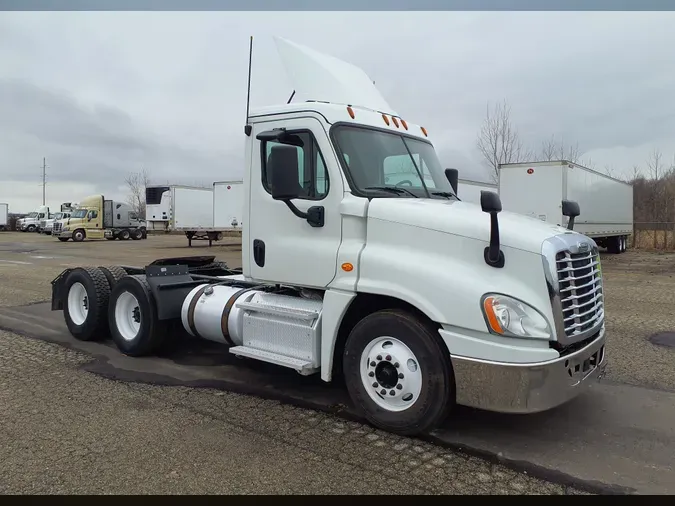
pixel 63 239
pixel 78 235
pixel 398 371
pixel 31 228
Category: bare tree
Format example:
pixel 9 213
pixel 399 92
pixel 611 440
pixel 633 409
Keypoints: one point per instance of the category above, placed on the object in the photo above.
pixel 136 183
pixel 655 164
pixel 498 140
pixel 552 149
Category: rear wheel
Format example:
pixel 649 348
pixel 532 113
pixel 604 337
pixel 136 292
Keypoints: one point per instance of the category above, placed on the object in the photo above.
pixel 113 274
pixel 132 317
pixel 398 372
pixel 86 300
pixel 123 235
pixel 137 234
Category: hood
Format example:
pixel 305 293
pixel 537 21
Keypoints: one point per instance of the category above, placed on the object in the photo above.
pixel 465 219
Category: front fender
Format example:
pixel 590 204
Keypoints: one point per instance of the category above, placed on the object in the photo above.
pixel 445 275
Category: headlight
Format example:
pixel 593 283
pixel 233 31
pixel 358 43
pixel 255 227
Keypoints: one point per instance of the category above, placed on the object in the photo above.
pixel 508 317
pixel 65 229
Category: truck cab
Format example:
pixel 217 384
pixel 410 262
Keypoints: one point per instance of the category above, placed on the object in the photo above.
pixel 31 222
pixel 98 218
pixel 419 300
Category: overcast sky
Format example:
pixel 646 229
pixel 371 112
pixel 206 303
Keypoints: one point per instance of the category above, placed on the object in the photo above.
pixel 103 94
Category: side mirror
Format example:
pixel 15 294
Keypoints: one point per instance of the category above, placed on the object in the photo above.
pixel 571 210
pixel 453 178
pixel 283 169
pixel 491 203
pixel 89 217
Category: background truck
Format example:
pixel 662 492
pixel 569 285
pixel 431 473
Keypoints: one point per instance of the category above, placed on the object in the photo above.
pixel 537 189
pixel 47 225
pixel 4 216
pixel 469 190
pixel 200 213
pixel 31 221
pixel 98 218
pixel 418 301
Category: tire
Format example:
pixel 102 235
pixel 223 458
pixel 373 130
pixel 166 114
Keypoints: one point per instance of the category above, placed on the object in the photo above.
pixel 112 238
pixel 79 235
pixel 431 383
pixel 86 322
pixel 137 234
pixel 132 318
pixel 123 235
pixel 30 228
pixel 614 245
pixel 113 274
pixel 63 239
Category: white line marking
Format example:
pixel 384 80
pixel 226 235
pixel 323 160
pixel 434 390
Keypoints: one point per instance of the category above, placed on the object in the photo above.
pixel 16 262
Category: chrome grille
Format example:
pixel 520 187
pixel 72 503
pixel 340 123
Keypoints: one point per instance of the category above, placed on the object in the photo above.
pixel 57 227
pixel 580 291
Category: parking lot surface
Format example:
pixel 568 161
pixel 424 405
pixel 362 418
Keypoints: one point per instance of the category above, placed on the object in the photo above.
pixel 66 429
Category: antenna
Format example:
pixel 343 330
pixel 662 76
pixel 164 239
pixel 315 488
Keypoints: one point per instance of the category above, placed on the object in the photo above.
pixel 247 127
pixel 291 97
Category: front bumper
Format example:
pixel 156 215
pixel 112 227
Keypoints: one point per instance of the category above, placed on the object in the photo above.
pixel 528 388
pixel 63 233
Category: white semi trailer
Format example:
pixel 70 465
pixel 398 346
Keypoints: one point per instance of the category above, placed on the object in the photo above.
pixel 420 301
pixel 200 213
pixel 4 216
pixel 537 189
pixel 470 191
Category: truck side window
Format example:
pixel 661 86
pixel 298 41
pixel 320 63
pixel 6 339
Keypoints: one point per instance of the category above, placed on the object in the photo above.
pixel 93 214
pixel 132 216
pixel 312 173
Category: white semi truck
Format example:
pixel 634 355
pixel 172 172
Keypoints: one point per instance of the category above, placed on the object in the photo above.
pixel 200 213
pixel 537 188
pixel 418 300
pixel 31 221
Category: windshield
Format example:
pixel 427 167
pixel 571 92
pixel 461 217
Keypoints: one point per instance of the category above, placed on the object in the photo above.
pixel 31 215
pixel 58 216
pixel 80 213
pixel 389 164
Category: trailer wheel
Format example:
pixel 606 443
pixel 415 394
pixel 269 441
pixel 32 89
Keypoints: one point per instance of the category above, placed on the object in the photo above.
pixel 63 239
pixel 137 234
pixel 78 235
pixel 123 235
pixel 86 300
pixel 132 317
pixel 398 372
pixel 113 274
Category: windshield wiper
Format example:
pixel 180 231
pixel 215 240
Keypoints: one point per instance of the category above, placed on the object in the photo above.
pixel 394 189
pixel 445 194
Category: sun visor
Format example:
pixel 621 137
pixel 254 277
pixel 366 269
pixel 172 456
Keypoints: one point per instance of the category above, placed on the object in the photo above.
pixel 317 76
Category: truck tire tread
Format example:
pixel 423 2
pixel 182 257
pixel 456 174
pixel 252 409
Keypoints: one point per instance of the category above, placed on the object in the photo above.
pixel 438 388
pixel 152 330
pixel 113 274
pixel 95 327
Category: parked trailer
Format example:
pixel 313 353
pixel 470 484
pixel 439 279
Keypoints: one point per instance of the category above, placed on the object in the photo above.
pixel 200 213
pixel 537 189
pixel 4 216
pixel 469 191
pixel 419 301
pixel 228 205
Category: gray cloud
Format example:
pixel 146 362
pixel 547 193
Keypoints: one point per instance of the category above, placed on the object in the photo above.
pixel 101 94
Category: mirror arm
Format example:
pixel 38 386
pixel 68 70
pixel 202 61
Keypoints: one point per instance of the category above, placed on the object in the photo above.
pixel 314 215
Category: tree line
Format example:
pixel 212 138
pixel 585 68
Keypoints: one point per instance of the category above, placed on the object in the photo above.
pixel 499 142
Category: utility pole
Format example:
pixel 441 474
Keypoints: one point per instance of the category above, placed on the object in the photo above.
pixel 44 180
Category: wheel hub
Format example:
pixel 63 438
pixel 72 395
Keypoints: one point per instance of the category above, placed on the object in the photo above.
pixel 136 314
pixel 85 302
pixel 391 374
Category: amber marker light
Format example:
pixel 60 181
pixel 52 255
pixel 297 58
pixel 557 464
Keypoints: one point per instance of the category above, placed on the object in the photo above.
pixel 424 131
pixel 386 120
pixel 347 267
pixel 493 321
pixel 350 111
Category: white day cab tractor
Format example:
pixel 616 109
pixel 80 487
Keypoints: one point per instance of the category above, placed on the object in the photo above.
pixel 419 301
pixel 31 222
